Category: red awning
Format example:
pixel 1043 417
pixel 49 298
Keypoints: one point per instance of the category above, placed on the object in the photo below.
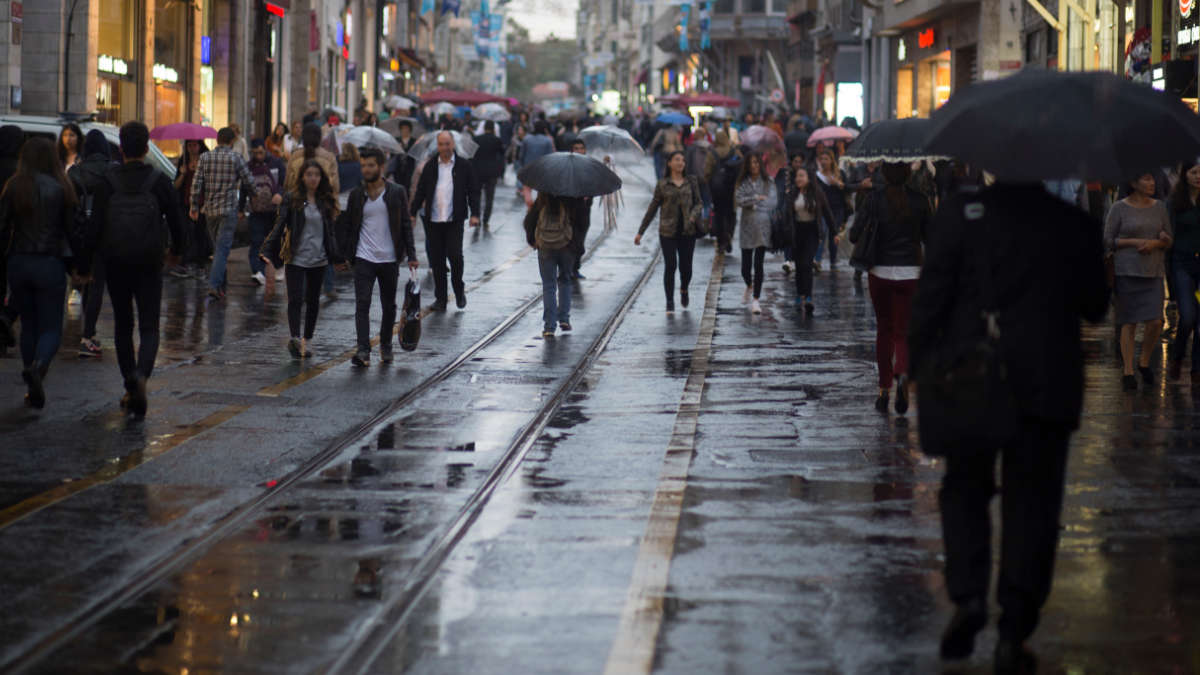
pixel 460 97
pixel 711 98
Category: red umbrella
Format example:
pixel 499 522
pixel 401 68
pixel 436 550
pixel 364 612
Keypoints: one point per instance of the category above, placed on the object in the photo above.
pixel 460 97
pixel 182 131
pixel 713 99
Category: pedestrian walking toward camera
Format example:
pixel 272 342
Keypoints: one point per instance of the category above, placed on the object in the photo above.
pixel 303 240
pixel 268 173
pixel 677 202
pixel 448 192
pixel 805 209
pixel 197 246
pixel 376 231
pixel 222 178
pixel 832 181
pixel 1010 272
pixel 1185 267
pixel 37 209
pixel 127 220
pixel 88 175
pixel 581 217
pixel 1136 233
pixel 756 196
pixel 548 229
pixel 893 224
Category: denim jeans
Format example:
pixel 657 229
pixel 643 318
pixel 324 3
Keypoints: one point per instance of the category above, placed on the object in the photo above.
pixel 556 267
pixel 37 285
pixel 222 244
pixel 1186 272
pixel 260 225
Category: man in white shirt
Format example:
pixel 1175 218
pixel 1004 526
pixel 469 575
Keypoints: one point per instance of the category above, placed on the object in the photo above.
pixel 449 192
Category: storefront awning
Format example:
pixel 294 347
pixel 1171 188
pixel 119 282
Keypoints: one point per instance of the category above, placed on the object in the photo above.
pixel 409 58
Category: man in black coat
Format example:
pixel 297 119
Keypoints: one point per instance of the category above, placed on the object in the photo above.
pixel 581 217
pixel 488 163
pixel 1038 263
pixel 448 191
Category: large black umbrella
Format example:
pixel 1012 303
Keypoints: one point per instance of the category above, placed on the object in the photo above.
pixel 568 174
pixel 1041 124
pixel 891 141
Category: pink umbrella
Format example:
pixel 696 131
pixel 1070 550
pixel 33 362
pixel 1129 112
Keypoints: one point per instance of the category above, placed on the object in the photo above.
pixel 182 131
pixel 830 135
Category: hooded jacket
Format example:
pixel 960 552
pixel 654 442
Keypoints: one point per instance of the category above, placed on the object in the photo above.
pixel 11 138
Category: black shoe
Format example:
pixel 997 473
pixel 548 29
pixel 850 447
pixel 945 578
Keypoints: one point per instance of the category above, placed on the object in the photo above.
pixel 438 306
pixel 36 396
pixel 901 395
pixel 729 248
pixel 881 403
pixel 809 308
pixel 958 641
pixel 564 326
pixel 461 301
pixel 670 305
pixel 138 402
pixel 361 359
pixel 294 348
pixel 683 299
pixel 385 354
pixel 1174 369
pixel 1012 658
pixel 1147 375
pixel 7 338
pixel 1128 383
pixel 579 275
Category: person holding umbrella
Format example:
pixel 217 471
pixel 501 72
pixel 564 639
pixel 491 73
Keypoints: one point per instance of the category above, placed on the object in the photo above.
pixel 449 192
pixel 548 229
pixel 677 201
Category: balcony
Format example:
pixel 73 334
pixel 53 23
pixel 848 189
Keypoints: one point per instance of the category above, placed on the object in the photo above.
pixel 750 27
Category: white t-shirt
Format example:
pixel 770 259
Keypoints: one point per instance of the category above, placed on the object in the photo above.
pixel 443 195
pixel 375 239
pixel 896 272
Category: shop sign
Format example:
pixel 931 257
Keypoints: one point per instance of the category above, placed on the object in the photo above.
pixel 1187 36
pixel 901 51
pixel 164 74
pixel 275 9
pixel 205 50
pixel 1186 7
pixel 108 64
pixel 925 38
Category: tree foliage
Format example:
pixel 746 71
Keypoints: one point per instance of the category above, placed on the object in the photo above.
pixel 545 61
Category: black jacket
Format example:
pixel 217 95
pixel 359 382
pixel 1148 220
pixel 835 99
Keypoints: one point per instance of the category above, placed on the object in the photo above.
pixel 488 161
pixel 899 238
pixel 349 223
pixel 89 174
pixel 46 232
pixel 1043 262
pixel 136 173
pixel 824 214
pixel 466 190
pixel 292 220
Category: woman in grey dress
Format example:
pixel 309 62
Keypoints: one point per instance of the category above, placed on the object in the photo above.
pixel 756 196
pixel 1136 233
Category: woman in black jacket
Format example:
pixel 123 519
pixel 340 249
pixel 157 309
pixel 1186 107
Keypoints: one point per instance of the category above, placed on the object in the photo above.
pixel 804 207
pixel 303 240
pixel 901 218
pixel 37 211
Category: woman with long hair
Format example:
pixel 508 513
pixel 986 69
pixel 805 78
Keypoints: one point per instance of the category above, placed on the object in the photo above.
pixel 756 196
pixel 37 209
pixel 199 243
pixel 677 202
pixel 1185 268
pixel 724 178
pixel 274 143
pixel 805 207
pixel 1136 233
pixel 303 240
pixel 832 181
pixel 70 141
pixel 901 218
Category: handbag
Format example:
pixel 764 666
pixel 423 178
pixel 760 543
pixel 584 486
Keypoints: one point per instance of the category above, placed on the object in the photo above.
pixel 410 318
pixel 866 246
pixel 966 399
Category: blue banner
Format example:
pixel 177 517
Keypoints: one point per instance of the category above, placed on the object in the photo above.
pixel 705 22
pixel 450 7
pixel 684 12
pixel 426 6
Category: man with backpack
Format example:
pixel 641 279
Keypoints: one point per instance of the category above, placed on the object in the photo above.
pixel 548 229
pixel 88 175
pixel 128 214
pixel 219 176
pixel 373 232
pixel 267 171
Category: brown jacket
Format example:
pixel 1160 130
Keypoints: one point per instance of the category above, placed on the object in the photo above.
pixel 324 157
pixel 669 199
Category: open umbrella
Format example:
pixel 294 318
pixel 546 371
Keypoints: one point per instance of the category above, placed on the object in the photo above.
pixel 392 124
pixel 830 135
pixel 370 137
pixel 182 131
pixel 567 174
pixel 426 146
pixel 675 118
pixel 761 139
pixel 396 101
pixel 605 140
pixel 1038 125
pixel 720 113
pixel 333 110
pixel 891 141
pixel 491 111
pixel 444 108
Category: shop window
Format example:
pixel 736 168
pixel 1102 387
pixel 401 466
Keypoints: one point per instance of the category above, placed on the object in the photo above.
pixel 723 7
pixel 754 6
pixel 904 92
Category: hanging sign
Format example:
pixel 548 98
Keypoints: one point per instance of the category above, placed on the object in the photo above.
pixel 926 38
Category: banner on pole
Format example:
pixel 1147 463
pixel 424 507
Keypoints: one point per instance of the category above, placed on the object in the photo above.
pixel 684 12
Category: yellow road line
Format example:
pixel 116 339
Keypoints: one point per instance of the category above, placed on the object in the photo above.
pixel 641 619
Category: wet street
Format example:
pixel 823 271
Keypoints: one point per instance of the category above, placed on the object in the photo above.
pixel 703 491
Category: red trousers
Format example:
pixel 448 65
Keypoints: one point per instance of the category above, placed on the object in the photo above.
pixel 893 307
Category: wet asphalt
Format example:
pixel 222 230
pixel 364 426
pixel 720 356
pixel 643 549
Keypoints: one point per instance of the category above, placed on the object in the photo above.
pixel 804 538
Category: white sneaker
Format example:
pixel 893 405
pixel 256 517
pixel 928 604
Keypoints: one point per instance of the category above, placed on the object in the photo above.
pixel 746 295
pixel 755 308
pixel 75 297
pixel 788 267
pixel 279 274
pixel 259 278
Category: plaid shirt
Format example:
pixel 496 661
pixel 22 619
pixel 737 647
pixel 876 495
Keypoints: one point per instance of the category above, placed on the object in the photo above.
pixel 219 174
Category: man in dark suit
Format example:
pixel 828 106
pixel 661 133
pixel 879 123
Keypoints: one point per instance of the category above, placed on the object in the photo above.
pixel 1036 262
pixel 488 163
pixel 581 217
pixel 448 191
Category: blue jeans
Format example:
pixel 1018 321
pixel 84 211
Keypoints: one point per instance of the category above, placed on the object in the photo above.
pixel 260 225
pixel 37 286
pixel 1186 272
pixel 556 267
pixel 222 244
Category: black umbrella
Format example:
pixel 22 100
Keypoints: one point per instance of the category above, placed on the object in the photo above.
pixel 568 174
pixel 891 141
pixel 1042 124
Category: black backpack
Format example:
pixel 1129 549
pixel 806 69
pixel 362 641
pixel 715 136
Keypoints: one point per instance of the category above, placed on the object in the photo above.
pixel 133 226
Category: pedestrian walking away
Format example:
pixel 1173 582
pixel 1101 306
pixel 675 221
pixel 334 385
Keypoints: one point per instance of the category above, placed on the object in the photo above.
pixel 581 218
pixel 448 192
pixel 303 240
pixel 197 244
pixel 311 149
pixel 548 229
pixel 724 179
pixel 1185 268
pixel 222 178
pixel 488 163
pixel 88 175
pixel 805 209
pixel 534 147
pixel 11 138
pixel 1033 264
pixel 897 218
pixel 677 202
pixel 374 232
pixel 37 211
pixel 127 220
pixel 1136 233
pixel 268 173
pixel 756 196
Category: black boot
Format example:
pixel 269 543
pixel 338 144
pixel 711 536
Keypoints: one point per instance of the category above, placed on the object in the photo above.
pixel 1012 658
pixel 958 641
pixel 135 401
pixel 36 394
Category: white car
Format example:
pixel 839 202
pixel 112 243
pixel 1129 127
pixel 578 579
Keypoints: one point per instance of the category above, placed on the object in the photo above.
pixel 49 127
